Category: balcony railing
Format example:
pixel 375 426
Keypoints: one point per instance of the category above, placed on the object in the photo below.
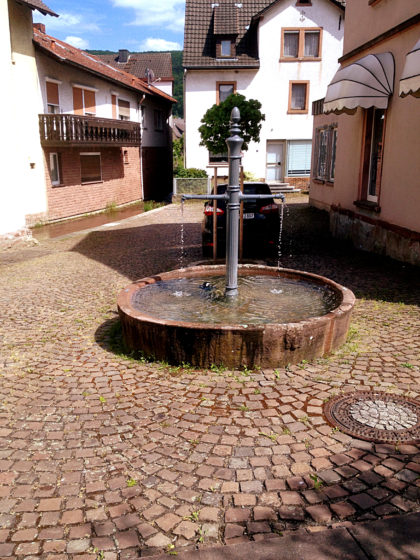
pixel 75 130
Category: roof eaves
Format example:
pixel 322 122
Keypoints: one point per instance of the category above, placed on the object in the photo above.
pixel 40 6
pixel 339 3
pixel 142 87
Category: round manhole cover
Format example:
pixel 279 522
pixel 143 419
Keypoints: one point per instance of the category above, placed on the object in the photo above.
pixel 375 416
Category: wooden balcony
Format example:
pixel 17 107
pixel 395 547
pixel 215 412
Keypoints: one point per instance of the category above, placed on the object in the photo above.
pixel 75 130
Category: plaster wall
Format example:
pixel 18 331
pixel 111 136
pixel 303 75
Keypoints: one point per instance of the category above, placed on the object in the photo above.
pixel 22 190
pixel 270 83
pixel 368 21
pixel 69 76
pixel 399 197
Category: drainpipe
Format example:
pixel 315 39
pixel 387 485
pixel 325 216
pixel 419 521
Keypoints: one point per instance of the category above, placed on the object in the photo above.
pixel 141 147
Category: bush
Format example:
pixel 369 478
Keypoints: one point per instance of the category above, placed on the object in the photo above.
pixel 190 173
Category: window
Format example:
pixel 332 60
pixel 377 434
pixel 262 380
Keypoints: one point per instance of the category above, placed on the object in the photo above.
pixel 372 156
pixel 218 158
pixel 333 152
pixel 55 169
pixel 123 110
pixel 298 97
pixel 299 158
pixel 223 90
pixel 301 44
pixel 158 119
pixel 325 151
pixel 53 101
pixel 90 167
pixel 84 102
pixel 225 48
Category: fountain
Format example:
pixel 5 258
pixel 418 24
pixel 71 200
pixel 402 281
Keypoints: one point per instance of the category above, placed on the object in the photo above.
pixel 275 317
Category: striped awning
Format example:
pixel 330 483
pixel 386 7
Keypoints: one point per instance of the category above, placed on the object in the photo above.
pixel 368 82
pixel 410 77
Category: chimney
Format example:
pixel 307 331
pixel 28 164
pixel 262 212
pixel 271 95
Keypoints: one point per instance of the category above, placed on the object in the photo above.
pixel 40 27
pixel 123 55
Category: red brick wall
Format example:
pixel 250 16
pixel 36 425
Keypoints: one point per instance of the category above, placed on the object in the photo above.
pixel 120 181
pixel 298 182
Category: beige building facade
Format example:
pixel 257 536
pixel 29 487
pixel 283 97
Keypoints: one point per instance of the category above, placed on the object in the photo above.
pixel 366 164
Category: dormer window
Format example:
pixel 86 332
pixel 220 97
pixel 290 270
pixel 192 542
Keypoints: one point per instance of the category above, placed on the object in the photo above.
pixel 225 48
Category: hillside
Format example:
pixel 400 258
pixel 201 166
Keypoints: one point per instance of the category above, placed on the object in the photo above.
pixel 178 109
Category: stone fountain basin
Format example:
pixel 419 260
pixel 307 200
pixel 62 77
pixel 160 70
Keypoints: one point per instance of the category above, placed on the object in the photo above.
pixel 232 345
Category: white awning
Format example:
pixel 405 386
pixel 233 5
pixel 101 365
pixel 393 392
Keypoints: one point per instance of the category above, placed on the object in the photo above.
pixel 368 82
pixel 410 77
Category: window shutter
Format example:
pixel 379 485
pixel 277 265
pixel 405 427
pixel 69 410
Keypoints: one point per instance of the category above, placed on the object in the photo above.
pixel 299 157
pixel 52 93
pixel 77 101
pixel 123 109
pixel 114 106
pixel 90 104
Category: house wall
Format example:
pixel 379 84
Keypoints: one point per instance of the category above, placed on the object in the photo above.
pixel 22 190
pixel 269 84
pixel 368 21
pixel 120 181
pixel 67 75
pixel 394 229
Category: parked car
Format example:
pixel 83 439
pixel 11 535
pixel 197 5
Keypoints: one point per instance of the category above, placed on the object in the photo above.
pixel 261 223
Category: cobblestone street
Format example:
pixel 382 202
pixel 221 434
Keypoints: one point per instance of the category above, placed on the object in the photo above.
pixel 104 457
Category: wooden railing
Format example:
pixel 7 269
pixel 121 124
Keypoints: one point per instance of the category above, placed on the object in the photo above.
pixel 75 130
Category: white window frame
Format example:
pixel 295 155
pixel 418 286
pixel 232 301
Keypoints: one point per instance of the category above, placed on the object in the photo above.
pixel 57 159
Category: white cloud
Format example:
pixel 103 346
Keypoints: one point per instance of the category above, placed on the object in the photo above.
pixel 152 44
pixel 77 42
pixel 163 13
pixel 67 22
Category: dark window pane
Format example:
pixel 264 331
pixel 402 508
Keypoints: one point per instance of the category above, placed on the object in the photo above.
pixel 90 166
pixel 298 101
pixel 312 43
pixel 224 91
pixel 291 44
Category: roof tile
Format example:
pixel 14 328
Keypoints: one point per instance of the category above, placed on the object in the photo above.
pixel 67 53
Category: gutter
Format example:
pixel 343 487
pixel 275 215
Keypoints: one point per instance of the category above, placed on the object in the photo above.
pixel 100 75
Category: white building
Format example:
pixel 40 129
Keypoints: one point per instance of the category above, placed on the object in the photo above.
pixel 22 188
pixel 282 53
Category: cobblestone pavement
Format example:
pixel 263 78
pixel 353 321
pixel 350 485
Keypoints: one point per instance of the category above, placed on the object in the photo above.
pixel 105 457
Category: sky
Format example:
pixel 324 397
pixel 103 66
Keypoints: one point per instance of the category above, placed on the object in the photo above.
pixel 136 25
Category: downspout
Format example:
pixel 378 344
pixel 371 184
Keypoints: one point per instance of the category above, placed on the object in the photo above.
pixel 141 146
pixel 185 120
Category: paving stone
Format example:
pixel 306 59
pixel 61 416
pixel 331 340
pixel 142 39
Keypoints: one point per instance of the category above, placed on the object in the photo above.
pixel 66 457
pixel 343 509
pixel 319 513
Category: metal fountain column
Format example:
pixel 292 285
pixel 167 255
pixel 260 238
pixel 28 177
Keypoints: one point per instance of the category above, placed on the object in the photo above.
pixel 233 197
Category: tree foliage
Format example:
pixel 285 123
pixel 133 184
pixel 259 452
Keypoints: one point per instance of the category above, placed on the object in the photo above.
pixel 216 123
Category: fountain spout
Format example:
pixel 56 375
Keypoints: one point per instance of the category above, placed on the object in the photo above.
pixel 234 197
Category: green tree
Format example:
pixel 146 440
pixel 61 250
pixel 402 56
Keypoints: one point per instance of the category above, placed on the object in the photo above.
pixel 178 152
pixel 216 123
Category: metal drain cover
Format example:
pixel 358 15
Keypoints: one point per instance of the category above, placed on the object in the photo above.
pixel 375 416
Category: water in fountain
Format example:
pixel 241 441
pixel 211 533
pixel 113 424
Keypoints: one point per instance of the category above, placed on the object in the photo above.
pixel 182 236
pixel 261 299
pixel 279 248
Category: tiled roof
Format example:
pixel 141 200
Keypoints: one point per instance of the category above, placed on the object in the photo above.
pixel 206 19
pixel 40 6
pixel 200 41
pixel 160 63
pixel 67 53
pixel 226 18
